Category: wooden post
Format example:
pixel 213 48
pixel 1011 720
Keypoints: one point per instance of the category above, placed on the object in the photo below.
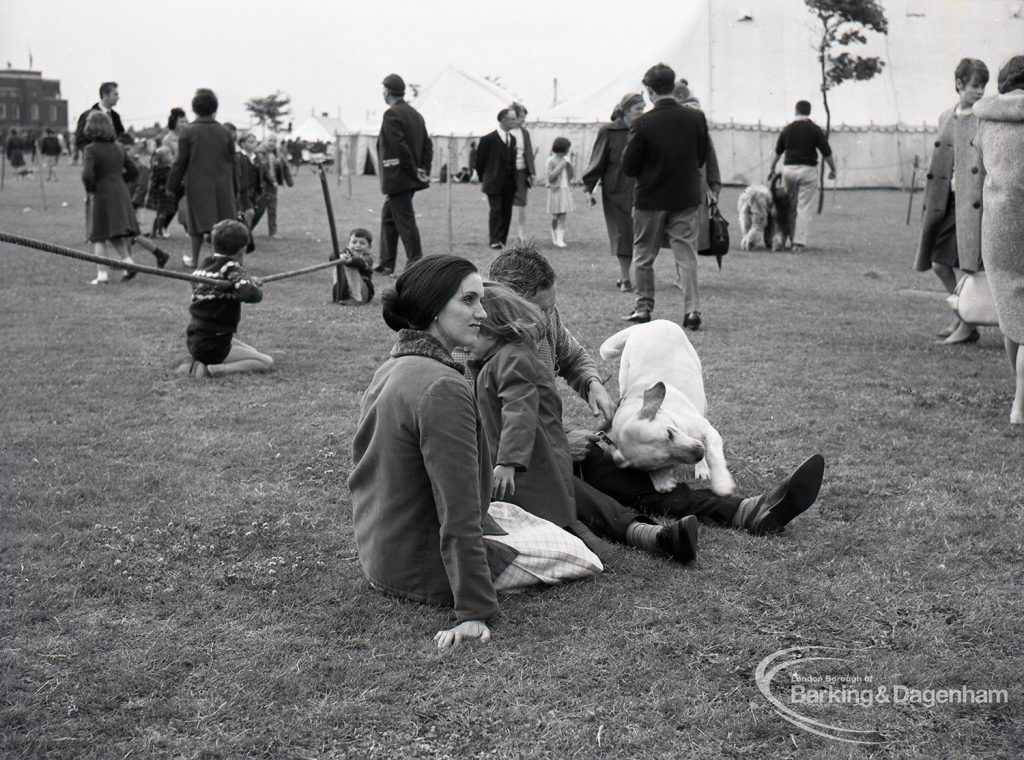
pixel 42 187
pixel 351 162
pixel 337 155
pixel 913 180
pixel 451 232
pixel 760 150
pixel 330 210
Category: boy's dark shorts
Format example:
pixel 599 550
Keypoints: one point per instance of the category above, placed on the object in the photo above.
pixel 208 348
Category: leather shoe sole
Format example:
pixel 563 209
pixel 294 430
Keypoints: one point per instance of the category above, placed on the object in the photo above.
pixel 963 334
pixel 679 540
pixel 639 316
pixel 790 498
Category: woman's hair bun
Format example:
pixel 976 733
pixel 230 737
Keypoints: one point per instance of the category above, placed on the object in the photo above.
pixel 391 307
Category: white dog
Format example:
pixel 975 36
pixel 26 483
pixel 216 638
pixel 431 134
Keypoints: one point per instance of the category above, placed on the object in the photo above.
pixel 660 421
pixel 754 206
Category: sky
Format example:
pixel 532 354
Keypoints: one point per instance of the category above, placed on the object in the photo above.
pixel 327 56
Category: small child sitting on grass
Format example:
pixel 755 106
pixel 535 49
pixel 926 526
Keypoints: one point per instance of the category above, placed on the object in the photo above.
pixel 215 310
pixel 353 277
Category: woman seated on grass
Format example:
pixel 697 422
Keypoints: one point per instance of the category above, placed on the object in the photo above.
pixel 420 487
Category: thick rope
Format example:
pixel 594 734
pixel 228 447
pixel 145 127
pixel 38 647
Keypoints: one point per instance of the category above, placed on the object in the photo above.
pixel 297 272
pixel 6 237
pixel 39 245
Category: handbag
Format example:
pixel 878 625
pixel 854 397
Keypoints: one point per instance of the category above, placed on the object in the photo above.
pixel 718 232
pixel 544 553
pixel 972 300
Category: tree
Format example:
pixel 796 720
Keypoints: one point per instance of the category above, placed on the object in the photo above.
pixel 269 111
pixel 843 23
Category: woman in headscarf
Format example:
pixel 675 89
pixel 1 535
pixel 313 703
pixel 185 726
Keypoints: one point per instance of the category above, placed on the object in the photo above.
pixel 616 188
pixel 204 172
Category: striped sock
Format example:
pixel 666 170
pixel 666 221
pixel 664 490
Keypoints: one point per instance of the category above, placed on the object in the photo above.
pixel 745 512
pixel 643 535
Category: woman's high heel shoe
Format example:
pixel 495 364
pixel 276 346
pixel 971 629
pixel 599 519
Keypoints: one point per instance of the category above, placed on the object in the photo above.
pixel 965 333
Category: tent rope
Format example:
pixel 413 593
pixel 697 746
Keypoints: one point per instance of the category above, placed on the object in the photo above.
pixel 39 245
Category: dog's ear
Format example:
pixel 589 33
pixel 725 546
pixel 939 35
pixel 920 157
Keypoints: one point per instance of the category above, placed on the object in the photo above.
pixel 653 397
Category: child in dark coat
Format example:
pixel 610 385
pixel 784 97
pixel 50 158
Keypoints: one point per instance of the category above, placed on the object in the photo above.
pixel 353 277
pixel 216 310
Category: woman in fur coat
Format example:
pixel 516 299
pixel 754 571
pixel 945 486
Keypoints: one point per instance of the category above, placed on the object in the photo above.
pixel 1001 139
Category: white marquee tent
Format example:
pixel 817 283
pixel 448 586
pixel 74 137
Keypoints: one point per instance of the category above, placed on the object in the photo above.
pixel 749 61
pixel 319 129
pixel 457 103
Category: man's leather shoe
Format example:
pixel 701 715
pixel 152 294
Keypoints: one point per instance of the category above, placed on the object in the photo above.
pixel 638 316
pixel 789 498
pixel 692 320
pixel 384 270
pixel 679 540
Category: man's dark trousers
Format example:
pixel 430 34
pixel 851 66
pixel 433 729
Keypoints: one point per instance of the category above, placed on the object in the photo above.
pixel 397 219
pixel 634 489
pixel 500 218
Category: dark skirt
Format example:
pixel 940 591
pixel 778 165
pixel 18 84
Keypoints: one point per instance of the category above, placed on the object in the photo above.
pixel 157 199
pixel 945 251
pixel 112 214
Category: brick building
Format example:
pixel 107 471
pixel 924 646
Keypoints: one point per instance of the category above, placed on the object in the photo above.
pixel 28 101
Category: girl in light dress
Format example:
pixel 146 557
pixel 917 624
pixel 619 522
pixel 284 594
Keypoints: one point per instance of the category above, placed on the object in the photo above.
pixel 559 172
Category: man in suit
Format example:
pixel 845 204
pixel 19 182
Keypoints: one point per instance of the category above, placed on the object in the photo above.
pixel 525 170
pixel 496 167
pixel 404 152
pixel 666 148
pixel 108 99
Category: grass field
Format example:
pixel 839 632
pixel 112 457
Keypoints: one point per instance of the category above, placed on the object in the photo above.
pixel 180 579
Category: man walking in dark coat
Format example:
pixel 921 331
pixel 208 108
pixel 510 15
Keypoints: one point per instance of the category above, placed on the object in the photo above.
pixel 404 151
pixel 496 167
pixel 666 148
pixel 108 99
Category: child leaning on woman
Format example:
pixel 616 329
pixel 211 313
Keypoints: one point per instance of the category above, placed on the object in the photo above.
pixel 521 415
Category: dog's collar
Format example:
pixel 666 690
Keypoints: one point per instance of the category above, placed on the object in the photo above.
pixel 605 442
